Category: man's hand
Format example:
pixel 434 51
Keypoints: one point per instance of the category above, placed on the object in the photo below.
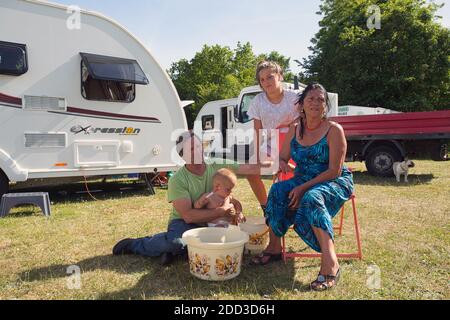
pixel 267 163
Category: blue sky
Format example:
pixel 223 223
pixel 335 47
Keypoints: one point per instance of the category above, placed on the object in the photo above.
pixel 176 29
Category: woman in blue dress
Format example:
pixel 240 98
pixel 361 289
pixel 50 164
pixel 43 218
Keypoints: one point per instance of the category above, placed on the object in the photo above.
pixel 320 186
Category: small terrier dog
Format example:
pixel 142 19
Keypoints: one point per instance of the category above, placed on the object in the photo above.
pixel 401 168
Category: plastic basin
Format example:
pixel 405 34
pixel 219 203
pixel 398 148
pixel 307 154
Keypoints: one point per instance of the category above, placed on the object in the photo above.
pixel 215 254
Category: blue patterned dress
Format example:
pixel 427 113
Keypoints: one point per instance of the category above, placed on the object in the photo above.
pixel 319 204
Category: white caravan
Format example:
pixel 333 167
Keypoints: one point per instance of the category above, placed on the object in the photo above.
pixel 360 110
pixel 226 129
pixel 80 99
pixel 212 121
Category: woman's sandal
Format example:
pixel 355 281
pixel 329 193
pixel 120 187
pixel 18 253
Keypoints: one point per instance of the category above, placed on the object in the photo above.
pixel 260 261
pixel 321 283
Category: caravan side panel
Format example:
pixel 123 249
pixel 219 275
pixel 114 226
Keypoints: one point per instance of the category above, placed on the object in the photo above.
pixel 141 129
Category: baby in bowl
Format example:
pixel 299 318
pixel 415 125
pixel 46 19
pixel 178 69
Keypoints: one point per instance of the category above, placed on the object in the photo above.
pixel 224 181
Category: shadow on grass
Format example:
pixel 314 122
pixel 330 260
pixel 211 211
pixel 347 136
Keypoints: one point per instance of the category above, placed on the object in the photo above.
pixel 122 264
pixel 176 281
pixel 364 178
pixel 75 193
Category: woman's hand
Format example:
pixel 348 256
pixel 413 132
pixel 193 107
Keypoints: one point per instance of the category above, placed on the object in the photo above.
pixel 285 167
pixel 296 196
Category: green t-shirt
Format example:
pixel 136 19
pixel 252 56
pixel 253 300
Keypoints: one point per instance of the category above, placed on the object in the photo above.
pixel 185 185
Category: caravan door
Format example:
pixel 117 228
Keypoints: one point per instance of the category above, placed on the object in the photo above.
pixel 227 129
pixel 244 128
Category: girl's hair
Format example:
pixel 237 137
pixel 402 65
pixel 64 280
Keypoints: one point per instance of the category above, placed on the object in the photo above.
pixel 275 67
pixel 301 100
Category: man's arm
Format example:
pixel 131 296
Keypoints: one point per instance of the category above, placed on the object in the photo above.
pixel 192 215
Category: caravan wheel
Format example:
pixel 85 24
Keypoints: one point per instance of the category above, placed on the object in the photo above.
pixel 4 183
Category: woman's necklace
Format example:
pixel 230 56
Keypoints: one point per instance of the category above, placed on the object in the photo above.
pixel 316 127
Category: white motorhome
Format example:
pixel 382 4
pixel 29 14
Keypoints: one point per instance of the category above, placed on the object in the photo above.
pixel 360 110
pixel 80 100
pixel 231 134
pixel 212 121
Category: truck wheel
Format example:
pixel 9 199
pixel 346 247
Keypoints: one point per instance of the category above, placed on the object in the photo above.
pixel 441 153
pixel 4 184
pixel 380 160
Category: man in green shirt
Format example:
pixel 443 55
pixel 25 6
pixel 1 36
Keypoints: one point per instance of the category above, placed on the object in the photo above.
pixel 185 187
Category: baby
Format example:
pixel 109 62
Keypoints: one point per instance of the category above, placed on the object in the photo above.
pixel 223 183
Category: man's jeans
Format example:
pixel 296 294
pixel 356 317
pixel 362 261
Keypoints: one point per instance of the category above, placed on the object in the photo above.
pixel 169 241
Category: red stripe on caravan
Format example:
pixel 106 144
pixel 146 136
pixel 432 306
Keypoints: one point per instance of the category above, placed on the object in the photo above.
pixel 9 99
pixel 18 101
pixel 107 114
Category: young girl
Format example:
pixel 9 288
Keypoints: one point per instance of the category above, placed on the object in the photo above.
pixel 274 108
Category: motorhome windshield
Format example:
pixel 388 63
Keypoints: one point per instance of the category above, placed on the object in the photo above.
pixel 245 105
pixel 13 58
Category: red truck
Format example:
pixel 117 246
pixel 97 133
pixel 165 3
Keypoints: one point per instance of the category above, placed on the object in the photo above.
pixel 381 140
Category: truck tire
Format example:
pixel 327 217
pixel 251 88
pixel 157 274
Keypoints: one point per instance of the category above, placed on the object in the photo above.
pixel 441 153
pixel 4 183
pixel 380 160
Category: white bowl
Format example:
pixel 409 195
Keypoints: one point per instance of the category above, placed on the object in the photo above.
pixel 215 254
pixel 258 233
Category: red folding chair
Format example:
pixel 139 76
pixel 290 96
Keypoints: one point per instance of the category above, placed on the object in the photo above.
pixel 352 255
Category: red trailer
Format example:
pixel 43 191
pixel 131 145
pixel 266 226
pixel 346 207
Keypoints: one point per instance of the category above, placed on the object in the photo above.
pixel 381 140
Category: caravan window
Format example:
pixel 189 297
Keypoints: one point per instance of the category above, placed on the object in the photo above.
pixel 110 79
pixel 208 122
pixel 13 58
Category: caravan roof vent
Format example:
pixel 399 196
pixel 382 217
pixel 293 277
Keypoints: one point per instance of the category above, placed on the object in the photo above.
pixel 45 140
pixel 44 103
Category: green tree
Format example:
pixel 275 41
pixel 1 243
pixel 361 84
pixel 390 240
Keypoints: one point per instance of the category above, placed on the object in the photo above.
pixel 217 73
pixel 404 65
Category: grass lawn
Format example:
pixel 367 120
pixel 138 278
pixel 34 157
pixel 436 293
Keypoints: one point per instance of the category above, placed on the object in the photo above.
pixel 405 236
